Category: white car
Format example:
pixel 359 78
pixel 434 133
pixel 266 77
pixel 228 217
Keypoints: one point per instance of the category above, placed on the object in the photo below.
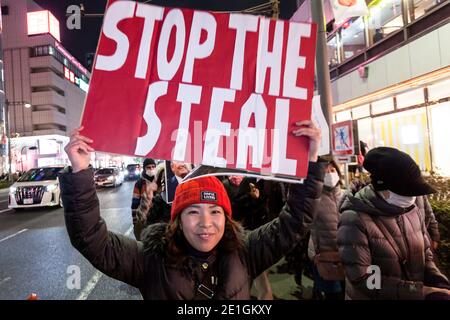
pixel 37 187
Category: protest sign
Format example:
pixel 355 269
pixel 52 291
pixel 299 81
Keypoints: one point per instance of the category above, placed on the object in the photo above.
pixel 216 89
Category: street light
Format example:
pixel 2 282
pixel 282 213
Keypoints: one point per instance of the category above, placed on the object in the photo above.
pixel 7 128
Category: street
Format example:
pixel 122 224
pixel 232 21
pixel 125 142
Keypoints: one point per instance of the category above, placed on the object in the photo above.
pixel 36 255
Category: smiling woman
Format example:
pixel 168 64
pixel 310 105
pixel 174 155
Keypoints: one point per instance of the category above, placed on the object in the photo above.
pixel 202 253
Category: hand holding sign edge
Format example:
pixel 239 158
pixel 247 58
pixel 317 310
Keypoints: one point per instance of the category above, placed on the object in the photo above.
pixel 78 150
pixel 310 130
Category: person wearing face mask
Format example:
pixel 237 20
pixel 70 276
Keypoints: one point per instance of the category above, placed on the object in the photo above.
pixel 323 249
pixel 202 253
pixel 382 226
pixel 143 193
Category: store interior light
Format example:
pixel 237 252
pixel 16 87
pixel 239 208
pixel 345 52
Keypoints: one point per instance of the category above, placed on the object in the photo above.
pixel 27 105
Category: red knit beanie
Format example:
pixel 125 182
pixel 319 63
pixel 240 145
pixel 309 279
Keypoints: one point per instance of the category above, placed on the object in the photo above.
pixel 200 190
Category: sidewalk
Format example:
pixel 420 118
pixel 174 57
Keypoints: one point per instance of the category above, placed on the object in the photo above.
pixel 284 286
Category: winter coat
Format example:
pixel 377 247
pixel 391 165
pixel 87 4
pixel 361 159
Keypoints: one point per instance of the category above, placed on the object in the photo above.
pixel 430 220
pixel 145 265
pixel 362 244
pixel 253 213
pixel 325 224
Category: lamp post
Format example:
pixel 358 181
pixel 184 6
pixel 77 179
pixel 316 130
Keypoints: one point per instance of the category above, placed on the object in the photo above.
pixel 8 129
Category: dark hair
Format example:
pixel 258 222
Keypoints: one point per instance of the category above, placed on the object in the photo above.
pixel 177 251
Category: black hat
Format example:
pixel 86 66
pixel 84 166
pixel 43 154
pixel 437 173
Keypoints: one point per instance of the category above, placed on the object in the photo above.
pixel 148 162
pixel 331 161
pixel 394 170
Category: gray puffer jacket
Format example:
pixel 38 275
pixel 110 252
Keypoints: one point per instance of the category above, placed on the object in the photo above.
pixel 325 224
pixel 430 220
pixel 362 244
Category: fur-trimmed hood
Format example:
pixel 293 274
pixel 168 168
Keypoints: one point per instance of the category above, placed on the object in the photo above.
pixel 154 238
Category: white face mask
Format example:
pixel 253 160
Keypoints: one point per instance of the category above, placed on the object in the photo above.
pixel 150 173
pixel 400 201
pixel 331 179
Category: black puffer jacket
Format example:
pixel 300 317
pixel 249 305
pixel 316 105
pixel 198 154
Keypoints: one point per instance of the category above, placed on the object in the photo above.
pixel 362 244
pixel 144 264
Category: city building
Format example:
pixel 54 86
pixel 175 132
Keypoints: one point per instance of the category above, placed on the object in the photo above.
pixel 45 85
pixel 3 137
pixel 390 75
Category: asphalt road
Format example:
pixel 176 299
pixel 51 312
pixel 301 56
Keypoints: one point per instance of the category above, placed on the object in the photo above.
pixel 36 255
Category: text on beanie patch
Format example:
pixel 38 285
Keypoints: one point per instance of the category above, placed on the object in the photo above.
pixel 208 196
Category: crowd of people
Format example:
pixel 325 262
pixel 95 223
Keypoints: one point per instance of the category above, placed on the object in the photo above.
pixel 218 237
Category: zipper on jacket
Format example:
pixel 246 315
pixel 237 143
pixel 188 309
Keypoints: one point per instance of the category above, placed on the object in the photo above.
pixel 401 225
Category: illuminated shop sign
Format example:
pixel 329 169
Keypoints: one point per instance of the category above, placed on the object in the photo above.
pixel 70 58
pixel 66 73
pixel 69 75
pixel 40 22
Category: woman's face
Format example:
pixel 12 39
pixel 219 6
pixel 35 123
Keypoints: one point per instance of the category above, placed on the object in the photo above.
pixel 203 225
pixel 330 169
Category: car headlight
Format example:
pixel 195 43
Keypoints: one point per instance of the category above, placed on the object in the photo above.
pixel 110 178
pixel 51 187
pixel 12 190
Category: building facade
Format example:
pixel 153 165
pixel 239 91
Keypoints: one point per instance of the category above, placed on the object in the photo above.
pixel 390 75
pixel 45 85
pixel 4 140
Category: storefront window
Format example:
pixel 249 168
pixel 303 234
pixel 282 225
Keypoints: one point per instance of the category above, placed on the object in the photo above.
pixel 406 131
pixel 385 17
pixel 440 114
pixel 333 51
pixel 365 132
pixel 418 8
pixel 353 38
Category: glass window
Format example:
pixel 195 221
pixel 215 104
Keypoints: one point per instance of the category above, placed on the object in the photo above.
pixel 41 174
pixel 353 38
pixel 440 114
pixel 418 8
pixel 439 90
pixel 361 112
pixel 382 106
pixel 385 17
pixel 343 116
pixel 406 131
pixel 333 51
pixel 105 171
pixel 410 98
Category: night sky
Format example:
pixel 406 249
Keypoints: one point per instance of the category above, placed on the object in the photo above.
pixel 80 42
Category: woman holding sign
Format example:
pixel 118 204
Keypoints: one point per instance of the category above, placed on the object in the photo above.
pixel 202 253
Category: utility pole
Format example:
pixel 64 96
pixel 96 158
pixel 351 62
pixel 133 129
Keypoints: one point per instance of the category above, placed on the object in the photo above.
pixel 275 9
pixel 8 135
pixel 322 69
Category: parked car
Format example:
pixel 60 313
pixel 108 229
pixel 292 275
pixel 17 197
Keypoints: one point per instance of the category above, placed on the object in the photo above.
pixel 133 171
pixel 108 177
pixel 38 187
